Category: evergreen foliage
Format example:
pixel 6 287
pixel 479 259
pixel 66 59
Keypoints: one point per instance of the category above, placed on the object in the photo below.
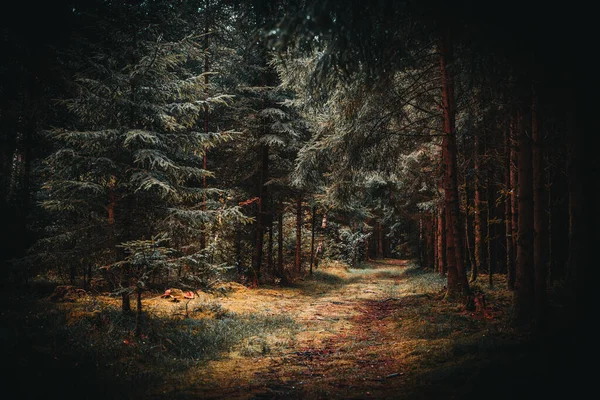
pixel 131 165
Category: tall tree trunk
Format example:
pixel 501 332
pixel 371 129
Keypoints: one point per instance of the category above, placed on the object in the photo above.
pixel 524 290
pixel 435 229
pixel 478 211
pixel 468 248
pixel 540 221
pixel 514 189
pixel 203 233
pixel 510 257
pixel 468 230
pixel 126 220
pixel 312 238
pixel 489 234
pixel 450 173
pixel 260 218
pixel 298 263
pixel 280 271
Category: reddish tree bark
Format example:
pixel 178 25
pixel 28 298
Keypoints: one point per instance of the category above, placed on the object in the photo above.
pixel 455 233
pixel 298 263
pixel 478 211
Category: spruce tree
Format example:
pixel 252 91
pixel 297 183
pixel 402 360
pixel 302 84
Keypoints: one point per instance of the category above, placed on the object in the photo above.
pixel 130 166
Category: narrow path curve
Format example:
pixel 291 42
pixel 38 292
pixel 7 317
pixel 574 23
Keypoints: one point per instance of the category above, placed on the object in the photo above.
pixel 347 346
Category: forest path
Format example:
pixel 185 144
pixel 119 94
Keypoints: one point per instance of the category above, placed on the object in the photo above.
pixel 346 345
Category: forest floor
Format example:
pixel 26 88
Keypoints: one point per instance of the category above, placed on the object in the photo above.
pixel 380 331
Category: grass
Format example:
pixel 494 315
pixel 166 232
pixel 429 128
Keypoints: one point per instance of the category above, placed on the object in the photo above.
pixel 91 341
pixel 336 334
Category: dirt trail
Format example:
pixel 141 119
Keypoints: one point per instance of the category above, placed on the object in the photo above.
pixel 347 346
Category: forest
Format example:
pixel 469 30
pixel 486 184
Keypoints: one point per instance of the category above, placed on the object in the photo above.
pixel 297 199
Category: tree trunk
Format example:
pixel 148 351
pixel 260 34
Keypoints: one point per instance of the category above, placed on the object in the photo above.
pixel 468 247
pixel 441 244
pixel 468 230
pixel 367 241
pixel 431 228
pixel 87 280
pixel 138 315
pixel 125 302
pixel 450 173
pixel 452 273
pixel 206 118
pixel 524 291
pixel 420 243
pixel 280 271
pixel 312 238
pixel 435 232
pixel 489 234
pixel 298 263
pixel 238 250
pixel 320 247
pixel 514 188
pixel 260 218
pixel 478 211
pixel 379 240
pixel 510 257
pixel 270 260
pixel 540 221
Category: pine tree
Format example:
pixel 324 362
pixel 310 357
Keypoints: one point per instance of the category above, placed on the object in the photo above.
pixel 131 165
